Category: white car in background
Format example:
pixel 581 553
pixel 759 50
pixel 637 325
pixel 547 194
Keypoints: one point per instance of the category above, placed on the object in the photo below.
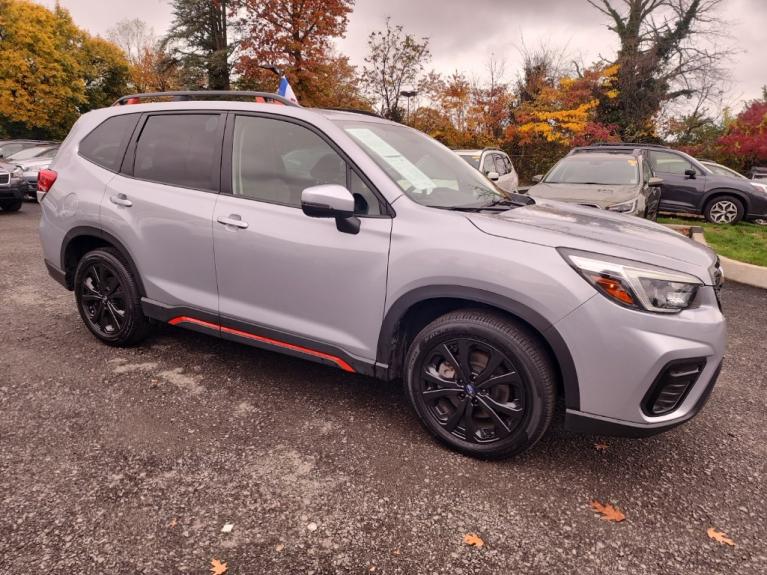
pixel 495 164
pixel 31 161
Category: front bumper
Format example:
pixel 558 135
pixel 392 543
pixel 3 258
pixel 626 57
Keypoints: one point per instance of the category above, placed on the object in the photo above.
pixel 13 190
pixel 619 354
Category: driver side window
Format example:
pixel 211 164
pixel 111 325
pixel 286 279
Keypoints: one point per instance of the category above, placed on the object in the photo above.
pixel 668 163
pixel 487 164
pixel 274 161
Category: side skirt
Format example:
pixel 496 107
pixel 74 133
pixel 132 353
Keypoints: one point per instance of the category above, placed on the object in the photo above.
pixel 256 336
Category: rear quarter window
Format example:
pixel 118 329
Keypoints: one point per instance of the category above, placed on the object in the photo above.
pixel 105 145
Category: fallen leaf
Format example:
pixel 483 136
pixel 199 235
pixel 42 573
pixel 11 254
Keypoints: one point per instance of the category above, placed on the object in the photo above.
pixel 601 446
pixel 395 552
pixel 720 536
pixel 473 539
pixel 227 528
pixel 279 547
pixel 608 512
pixel 218 568
pixel 172 523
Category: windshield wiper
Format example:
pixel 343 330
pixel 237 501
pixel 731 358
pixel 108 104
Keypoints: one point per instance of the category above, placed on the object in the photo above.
pixel 510 201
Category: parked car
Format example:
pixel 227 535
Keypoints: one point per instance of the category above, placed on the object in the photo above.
pixel 616 181
pixel 12 187
pixel 688 187
pixel 387 256
pixel 31 161
pixel 10 147
pixel 495 164
pixel 759 174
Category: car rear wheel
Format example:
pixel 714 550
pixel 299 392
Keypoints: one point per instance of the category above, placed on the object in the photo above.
pixel 11 206
pixel 724 210
pixel 481 384
pixel 108 298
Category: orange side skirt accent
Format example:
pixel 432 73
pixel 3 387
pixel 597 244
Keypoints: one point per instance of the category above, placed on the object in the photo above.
pixel 305 350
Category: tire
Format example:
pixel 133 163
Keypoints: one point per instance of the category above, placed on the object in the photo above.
pixel 11 205
pixel 481 418
pixel 724 210
pixel 108 299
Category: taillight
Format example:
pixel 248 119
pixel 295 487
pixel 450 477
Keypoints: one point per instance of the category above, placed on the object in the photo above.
pixel 45 179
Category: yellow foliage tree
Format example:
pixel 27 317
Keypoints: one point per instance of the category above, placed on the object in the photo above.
pixel 51 71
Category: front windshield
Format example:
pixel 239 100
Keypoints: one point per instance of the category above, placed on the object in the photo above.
pixel 426 171
pixel 588 169
pixel 471 159
pixel 723 171
pixel 30 153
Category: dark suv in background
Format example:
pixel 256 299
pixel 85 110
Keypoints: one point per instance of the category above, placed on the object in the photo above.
pixel 689 187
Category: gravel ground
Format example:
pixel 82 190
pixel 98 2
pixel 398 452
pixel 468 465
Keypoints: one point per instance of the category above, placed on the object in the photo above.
pixel 132 461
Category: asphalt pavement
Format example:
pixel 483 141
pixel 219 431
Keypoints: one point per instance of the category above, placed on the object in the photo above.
pixel 134 460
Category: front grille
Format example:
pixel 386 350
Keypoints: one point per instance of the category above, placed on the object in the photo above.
pixel 672 385
pixel 5 178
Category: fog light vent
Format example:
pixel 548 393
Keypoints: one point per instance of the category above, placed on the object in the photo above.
pixel 671 386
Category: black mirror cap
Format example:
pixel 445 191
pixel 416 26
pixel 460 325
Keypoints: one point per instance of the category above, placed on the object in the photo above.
pixel 690 173
pixel 324 211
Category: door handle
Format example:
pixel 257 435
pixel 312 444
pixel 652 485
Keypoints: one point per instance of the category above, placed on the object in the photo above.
pixel 233 220
pixel 121 200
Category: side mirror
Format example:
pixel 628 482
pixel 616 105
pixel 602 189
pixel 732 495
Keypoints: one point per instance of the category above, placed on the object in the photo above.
pixel 537 178
pixel 493 176
pixel 655 182
pixel 690 174
pixel 331 201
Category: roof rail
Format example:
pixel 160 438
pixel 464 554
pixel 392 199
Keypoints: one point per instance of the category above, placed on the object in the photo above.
pixel 355 111
pixel 624 145
pixel 204 95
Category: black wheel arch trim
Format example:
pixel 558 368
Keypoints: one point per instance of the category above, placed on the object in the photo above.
pixel 387 340
pixel 740 195
pixel 88 231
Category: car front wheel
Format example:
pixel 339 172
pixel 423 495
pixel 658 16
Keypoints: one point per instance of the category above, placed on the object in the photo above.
pixel 11 206
pixel 724 210
pixel 481 383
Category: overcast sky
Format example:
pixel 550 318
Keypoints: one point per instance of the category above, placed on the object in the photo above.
pixel 464 33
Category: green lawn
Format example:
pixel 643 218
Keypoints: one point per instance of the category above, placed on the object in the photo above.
pixel 744 242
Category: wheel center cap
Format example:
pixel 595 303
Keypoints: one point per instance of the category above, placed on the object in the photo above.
pixel 471 390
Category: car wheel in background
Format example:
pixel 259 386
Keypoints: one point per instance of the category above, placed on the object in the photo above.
pixel 10 206
pixel 481 383
pixel 724 210
pixel 108 298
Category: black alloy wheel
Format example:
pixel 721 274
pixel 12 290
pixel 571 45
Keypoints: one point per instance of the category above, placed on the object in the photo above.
pixel 481 383
pixel 108 298
pixel 473 390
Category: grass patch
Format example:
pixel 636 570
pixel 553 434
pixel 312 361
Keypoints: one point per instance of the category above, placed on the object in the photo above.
pixel 744 242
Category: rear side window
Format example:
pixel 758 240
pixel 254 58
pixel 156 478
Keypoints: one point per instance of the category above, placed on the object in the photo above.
pixel 179 150
pixel 105 146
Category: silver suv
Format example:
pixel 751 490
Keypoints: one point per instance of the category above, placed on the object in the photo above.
pixel 359 243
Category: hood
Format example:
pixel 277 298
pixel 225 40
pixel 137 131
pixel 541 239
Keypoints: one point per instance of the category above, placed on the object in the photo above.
pixel 601 195
pixel 34 163
pixel 630 237
pixel 717 180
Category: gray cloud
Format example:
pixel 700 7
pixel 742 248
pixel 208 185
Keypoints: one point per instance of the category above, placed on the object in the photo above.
pixel 464 33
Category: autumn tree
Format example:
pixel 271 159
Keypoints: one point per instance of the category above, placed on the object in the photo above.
pixel 395 61
pixel 51 71
pixel 199 38
pixel 664 55
pixel 745 142
pixel 296 38
pixel 559 114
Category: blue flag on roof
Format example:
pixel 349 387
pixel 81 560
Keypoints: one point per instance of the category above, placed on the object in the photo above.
pixel 286 91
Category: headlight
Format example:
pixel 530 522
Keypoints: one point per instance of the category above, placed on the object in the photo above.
pixel 17 173
pixel 634 284
pixel 624 207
